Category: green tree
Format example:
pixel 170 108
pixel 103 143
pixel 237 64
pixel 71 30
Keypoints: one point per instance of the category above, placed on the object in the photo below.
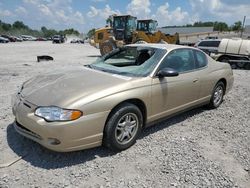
pixel 237 26
pixel 19 25
pixel 220 26
pixel 6 27
pixel 203 24
pixel 71 31
pixel 50 33
pixel 91 33
pixel 44 29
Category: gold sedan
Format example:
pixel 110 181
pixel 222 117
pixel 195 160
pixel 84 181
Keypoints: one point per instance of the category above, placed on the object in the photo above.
pixel 110 101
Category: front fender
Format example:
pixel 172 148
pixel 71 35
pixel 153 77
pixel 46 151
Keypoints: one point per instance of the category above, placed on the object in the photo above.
pixel 107 103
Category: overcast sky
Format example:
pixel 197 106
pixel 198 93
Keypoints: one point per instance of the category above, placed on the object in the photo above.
pixel 86 14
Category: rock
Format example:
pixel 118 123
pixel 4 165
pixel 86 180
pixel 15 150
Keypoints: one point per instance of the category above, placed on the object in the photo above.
pixel 173 184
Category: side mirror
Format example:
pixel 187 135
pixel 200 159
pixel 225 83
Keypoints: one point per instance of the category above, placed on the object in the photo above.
pixel 167 72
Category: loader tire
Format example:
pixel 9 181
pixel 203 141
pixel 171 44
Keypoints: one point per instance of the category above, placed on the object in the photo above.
pixel 107 47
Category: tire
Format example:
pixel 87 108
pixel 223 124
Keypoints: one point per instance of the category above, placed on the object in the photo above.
pixel 247 66
pixel 217 95
pixel 123 127
pixel 233 65
pixel 241 65
pixel 224 59
pixel 107 47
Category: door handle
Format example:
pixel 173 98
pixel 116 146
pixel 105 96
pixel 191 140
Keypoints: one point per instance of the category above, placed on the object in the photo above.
pixel 195 80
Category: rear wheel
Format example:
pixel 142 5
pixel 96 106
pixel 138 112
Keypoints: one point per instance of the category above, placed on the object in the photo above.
pixel 243 65
pixel 123 127
pixel 107 47
pixel 217 96
pixel 247 66
pixel 226 59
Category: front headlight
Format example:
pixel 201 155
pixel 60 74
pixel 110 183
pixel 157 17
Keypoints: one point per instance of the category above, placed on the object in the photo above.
pixel 53 113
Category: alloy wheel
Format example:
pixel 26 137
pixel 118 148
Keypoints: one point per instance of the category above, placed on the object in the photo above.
pixel 218 95
pixel 126 128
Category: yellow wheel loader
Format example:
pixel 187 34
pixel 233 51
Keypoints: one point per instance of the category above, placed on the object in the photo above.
pixel 125 30
pixel 147 32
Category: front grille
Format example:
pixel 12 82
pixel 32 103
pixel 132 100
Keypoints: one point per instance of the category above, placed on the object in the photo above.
pixel 31 133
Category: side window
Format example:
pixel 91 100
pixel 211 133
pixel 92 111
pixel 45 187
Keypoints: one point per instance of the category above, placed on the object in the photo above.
pixel 203 43
pixel 215 43
pixel 100 36
pixel 201 59
pixel 209 43
pixel 181 60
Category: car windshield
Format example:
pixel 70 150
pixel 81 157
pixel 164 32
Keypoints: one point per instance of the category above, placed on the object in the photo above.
pixel 130 61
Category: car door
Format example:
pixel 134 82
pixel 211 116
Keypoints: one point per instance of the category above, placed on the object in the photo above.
pixel 171 94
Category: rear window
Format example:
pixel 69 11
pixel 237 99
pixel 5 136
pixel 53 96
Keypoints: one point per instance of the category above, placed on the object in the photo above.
pixel 209 43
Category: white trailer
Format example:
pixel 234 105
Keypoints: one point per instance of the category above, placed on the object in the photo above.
pixel 235 51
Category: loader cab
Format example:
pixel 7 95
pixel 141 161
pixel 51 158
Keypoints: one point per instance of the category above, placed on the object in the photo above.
pixel 148 26
pixel 123 27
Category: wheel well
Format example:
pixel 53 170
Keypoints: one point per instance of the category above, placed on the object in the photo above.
pixel 137 102
pixel 224 81
pixel 222 57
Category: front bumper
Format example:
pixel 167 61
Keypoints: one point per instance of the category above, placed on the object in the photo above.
pixel 85 132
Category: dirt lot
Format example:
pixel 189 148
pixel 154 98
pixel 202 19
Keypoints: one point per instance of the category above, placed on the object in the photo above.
pixel 200 148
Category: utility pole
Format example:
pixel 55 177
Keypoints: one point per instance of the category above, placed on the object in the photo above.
pixel 243 26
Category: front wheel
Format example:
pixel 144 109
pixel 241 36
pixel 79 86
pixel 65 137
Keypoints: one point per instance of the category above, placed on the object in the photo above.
pixel 107 47
pixel 217 96
pixel 123 127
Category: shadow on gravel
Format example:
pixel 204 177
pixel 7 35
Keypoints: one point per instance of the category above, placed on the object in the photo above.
pixel 164 123
pixel 41 157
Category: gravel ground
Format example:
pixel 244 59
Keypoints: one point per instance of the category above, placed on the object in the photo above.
pixel 199 148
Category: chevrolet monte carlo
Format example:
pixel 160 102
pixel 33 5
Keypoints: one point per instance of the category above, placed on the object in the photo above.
pixel 110 101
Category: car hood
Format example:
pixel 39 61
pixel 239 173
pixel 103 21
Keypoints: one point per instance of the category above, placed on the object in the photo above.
pixel 66 87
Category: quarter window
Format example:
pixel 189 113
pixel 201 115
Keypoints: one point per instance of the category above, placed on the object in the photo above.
pixel 201 59
pixel 181 60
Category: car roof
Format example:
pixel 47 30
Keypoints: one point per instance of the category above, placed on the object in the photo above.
pixel 160 46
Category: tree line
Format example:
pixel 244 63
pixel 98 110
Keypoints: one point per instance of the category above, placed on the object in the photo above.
pixel 19 28
pixel 218 26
